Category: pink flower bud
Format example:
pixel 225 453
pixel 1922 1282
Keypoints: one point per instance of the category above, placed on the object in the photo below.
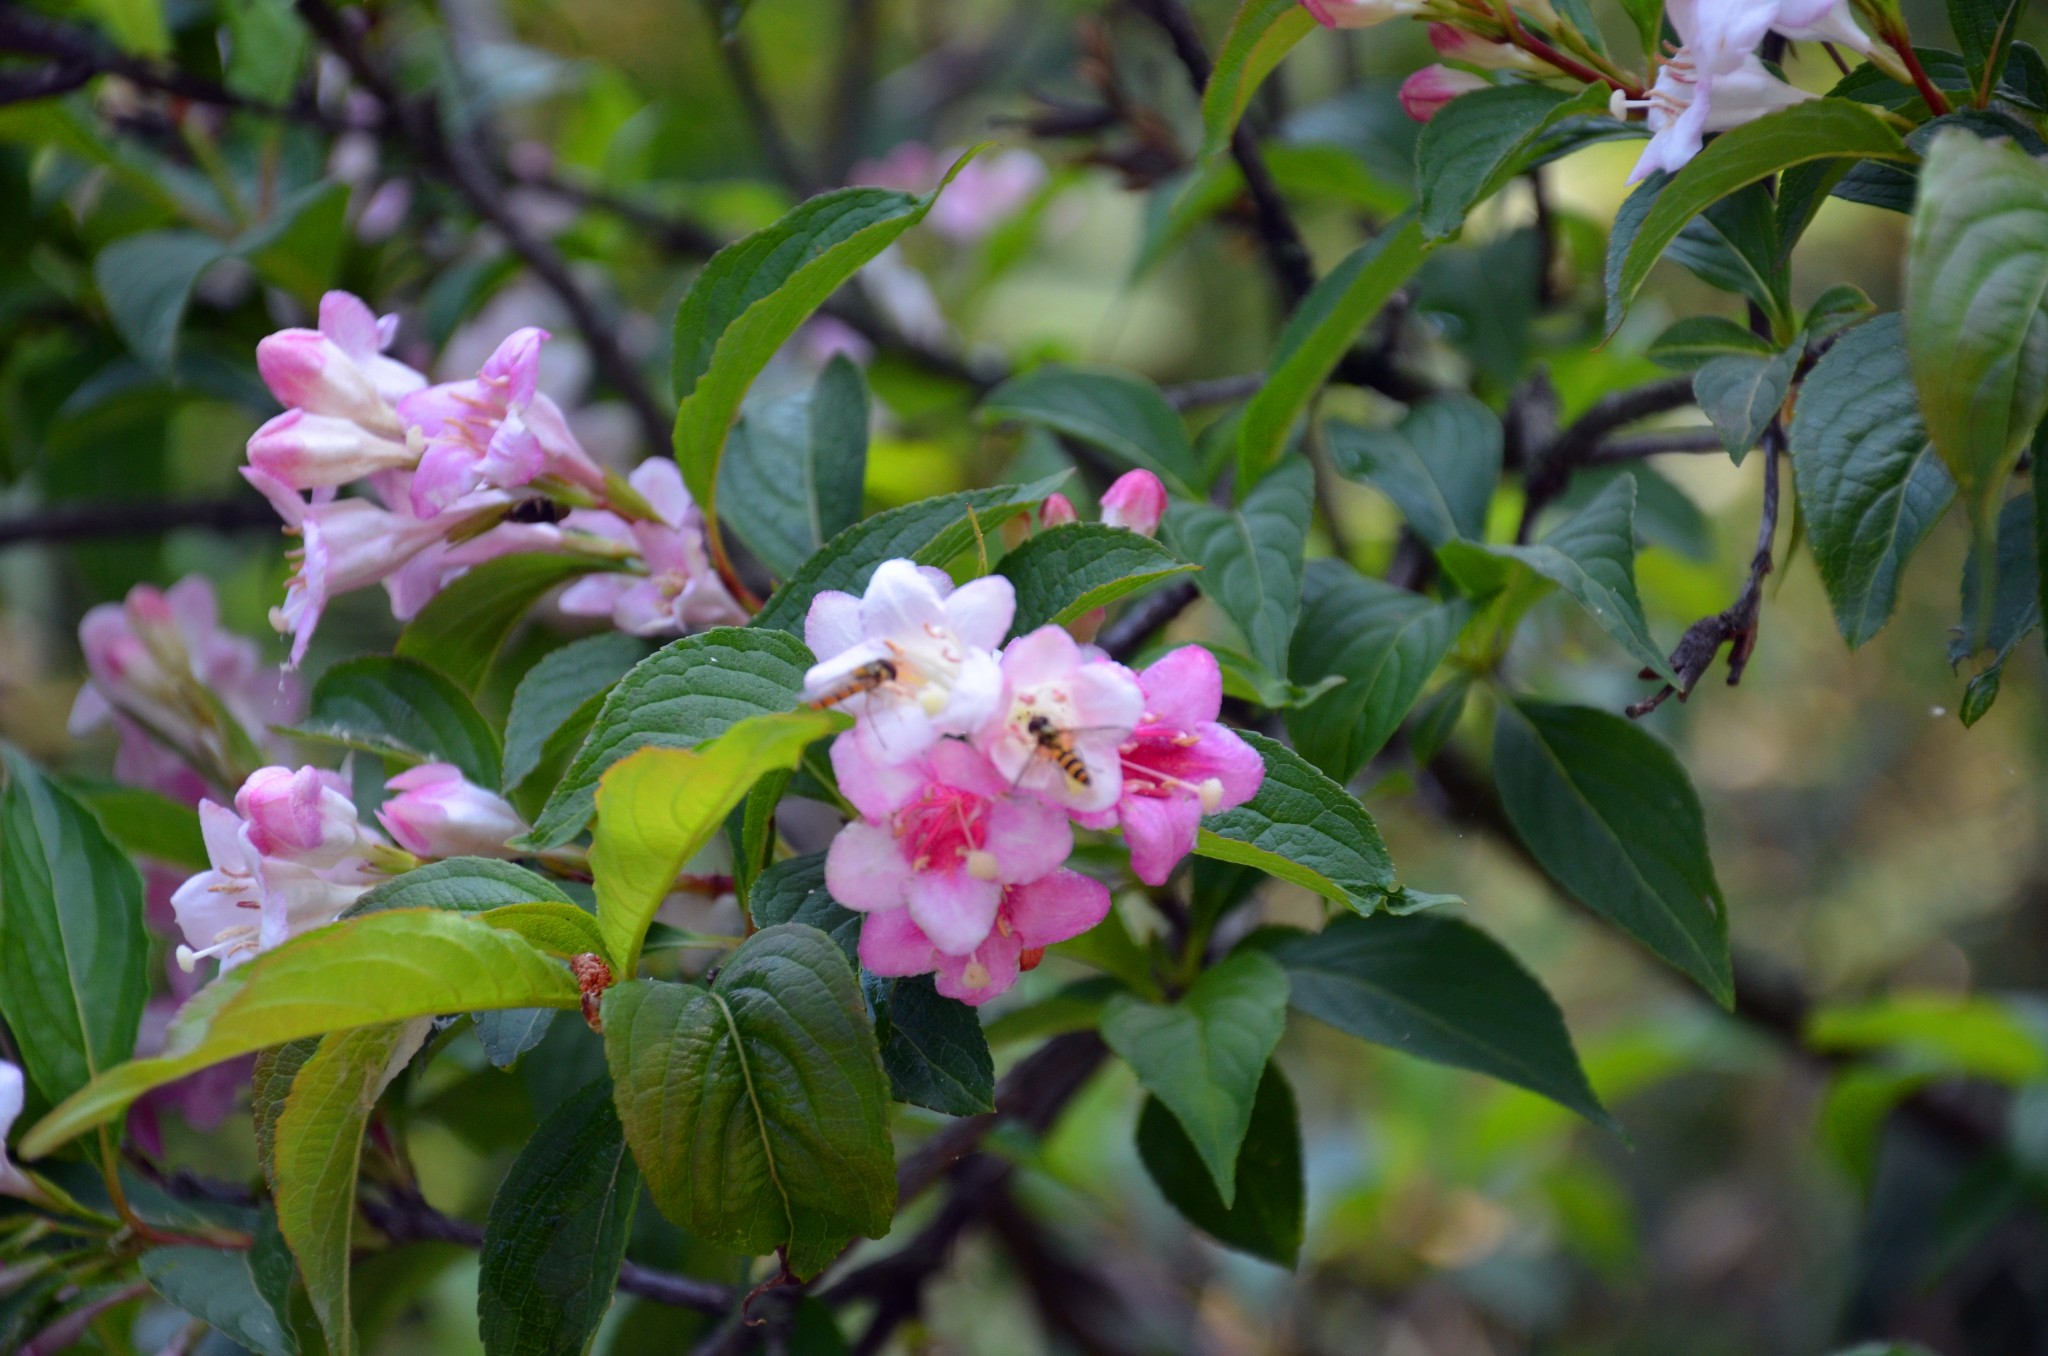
pixel 1137 501
pixel 1455 44
pixel 438 813
pixel 307 370
pixel 301 816
pixel 1057 511
pixel 1359 13
pixel 307 451
pixel 1430 88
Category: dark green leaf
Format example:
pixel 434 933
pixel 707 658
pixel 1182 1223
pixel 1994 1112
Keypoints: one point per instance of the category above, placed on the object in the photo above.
pixel 403 711
pixel 1697 340
pixel 1984 29
pixel 1117 411
pixel 758 1109
pixel 509 1033
pixel 461 884
pixel 1741 395
pixel 793 891
pixel 235 1292
pixel 557 1232
pixel 146 281
pixel 933 1048
pixel 1610 814
pixel 266 47
pixel 461 631
pixel 1477 142
pixel 1440 990
pixel 1068 571
pixel 1835 310
pixel 2015 609
pixel 1733 245
pixel 1204 1055
pixel 557 691
pixel 1266 1220
pixel 1303 828
pixel 794 468
pixel 146 823
pixel 1439 465
pixel 1250 556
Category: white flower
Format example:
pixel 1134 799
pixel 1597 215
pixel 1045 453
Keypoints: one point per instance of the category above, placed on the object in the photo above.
pixel 12 1095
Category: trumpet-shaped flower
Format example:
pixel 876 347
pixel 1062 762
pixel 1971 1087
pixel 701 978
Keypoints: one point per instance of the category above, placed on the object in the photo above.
pixel 440 813
pixel 249 901
pixel 302 816
pixel 681 591
pixel 1360 13
pixel 933 642
pixel 1430 88
pixel 339 370
pixel 312 451
pixel 1031 917
pixel 939 837
pixel 1065 719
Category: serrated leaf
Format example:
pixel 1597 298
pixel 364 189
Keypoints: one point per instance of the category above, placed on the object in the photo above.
pixel 460 632
pixel 1384 641
pixel 381 968
pixel 1697 340
pixel 757 1108
pixel 1611 816
pixel 555 690
pixel 1741 394
pixel 270 1082
pixel 1068 571
pixel 1439 465
pixel 1119 412
pixel 751 297
pixel 461 884
pixel 1817 130
pixel 1303 828
pixel 1250 556
pixel 1870 484
pixel 242 1294
pixel 403 711
pixel 1733 245
pixel 1322 327
pixel 557 1230
pixel 1440 990
pixel 73 954
pixel 793 891
pixel 1261 34
pixel 1591 556
pixel 930 531
pixel 1266 1219
pixel 794 468
pixel 685 693
pixel 658 807
pixel 1835 310
pixel 1478 141
pixel 932 1047
pixel 1203 1056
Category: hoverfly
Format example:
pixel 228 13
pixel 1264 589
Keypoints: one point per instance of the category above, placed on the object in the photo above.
pixel 869 676
pixel 1057 745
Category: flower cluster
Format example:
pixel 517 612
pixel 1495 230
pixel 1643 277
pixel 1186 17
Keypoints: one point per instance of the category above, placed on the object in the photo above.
pixel 969 765
pixel 443 466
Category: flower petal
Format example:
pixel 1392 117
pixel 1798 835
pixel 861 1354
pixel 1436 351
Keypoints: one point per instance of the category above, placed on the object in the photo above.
pixel 892 944
pixel 955 909
pixel 1184 688
pixel 865 870
pixel 1027 839
pixel 980 611
pixel 1160 831
pixel 1055 908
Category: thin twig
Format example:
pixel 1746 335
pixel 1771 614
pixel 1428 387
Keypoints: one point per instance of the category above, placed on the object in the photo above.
pixel 1641 445
pixel 78 522
pixel 1550 472
pixel 761 116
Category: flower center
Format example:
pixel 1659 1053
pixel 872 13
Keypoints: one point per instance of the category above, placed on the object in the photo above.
pixel 944 829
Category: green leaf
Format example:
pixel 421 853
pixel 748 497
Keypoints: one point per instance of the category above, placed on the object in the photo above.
pixel 559 929
pixel 1439 465
pixel 1734 246
pixel 932 1047
pixel 267 45
pixel 461 631
pixel 1977 312
pixel 1263 32
pixel 73 955
pixel 1250 556
pixel 1440 990
pixel 137 25
pixel 794 468
pixel 1477 142
pixel 751 297
pixel 558 700
pixel 404 712
pixel 1836 310
pixel 1303 828
pixel 1870 485
pixel 1383 641
pixel 270 1082
pixel 1591 556
pixel 1648 17
pixel 1697 340
pixel 243 1294
pixel 1741 394
pixel 1203 1056
pixel 1119 412
pixel 658 807
pixel 1820 129
pixel 146 281
pixel 1609 813
pixel 1266 1219
pixel 2015 605
pixel 683 694
pixel 930 531
pixel 1984 29
pixel 461 884
pixel 1937 1033
pixel 381 968
pixel 1068 571
pixel 298 247
pixel 1246 679
pixel 557 1230
pixel 793 891
pixel 758 1109
pixel 145 823
pixel 319 1144
pixel 1322 327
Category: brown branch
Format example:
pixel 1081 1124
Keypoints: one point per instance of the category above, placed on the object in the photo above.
pixel 1636 448
pixel 761 116
pixel 1550 472
pixel 79 522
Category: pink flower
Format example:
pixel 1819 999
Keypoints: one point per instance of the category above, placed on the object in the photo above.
pixel 1179 764
pixel 249 902
pixel 1064 720
pixel 13 1094
pixel 303 816
pixel 1430 88
pixel 1136 501
pixel 1455 44
pixel 1031 917
pixel 681 591
pixel 340 370
pixel 1360 13
pixel 939 837
pixel 308 451
pixel 440 813
pixel 1057 511
pixel 911 659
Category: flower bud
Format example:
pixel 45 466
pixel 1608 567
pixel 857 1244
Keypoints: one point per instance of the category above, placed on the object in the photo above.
pixel 1430 88
pixel 438 813
pixel 13 1093
pixel 1057 511
pixel 307 370
pixel 308 451
pixel 1455 44
pixel 1137 501
pixel 300 816
pixel 1360 13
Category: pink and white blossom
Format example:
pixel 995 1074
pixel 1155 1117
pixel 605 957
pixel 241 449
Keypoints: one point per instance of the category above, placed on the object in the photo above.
pixel 311 451
pixel 939 837
pixel 1430 88
pixel 1031 917
pixel 1360 13
pixel 1057 511
pixel 1179 764
pixel 437 812
pixel 13 1095
pixel 1457 44
pixel 936 641
pixel 1062 710
pixel 1137 501
pixel 681 591
pixel 340 370
pixel 302 816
